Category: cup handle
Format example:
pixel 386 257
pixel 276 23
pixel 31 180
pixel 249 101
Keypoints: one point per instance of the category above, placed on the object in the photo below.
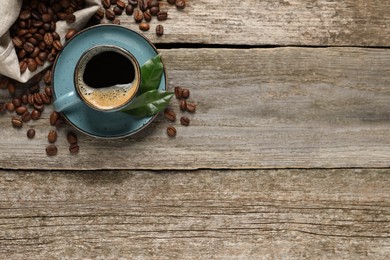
pixel 66 102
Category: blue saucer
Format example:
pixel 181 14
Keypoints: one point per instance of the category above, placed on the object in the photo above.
pixel 85 119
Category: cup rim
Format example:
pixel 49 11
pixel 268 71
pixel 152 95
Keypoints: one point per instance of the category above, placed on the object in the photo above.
pixel 137 69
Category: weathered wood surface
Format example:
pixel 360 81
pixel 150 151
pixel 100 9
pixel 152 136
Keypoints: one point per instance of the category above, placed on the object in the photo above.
pixel 285 214
pixel 257 108
pixel 276 22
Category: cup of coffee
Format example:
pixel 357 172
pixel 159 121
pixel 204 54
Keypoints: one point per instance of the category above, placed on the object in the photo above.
pixel 106 79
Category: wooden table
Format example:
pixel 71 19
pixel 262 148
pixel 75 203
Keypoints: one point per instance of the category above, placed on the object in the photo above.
pixel 286 157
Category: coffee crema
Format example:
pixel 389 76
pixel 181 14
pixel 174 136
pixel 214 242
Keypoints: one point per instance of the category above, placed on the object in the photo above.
pixel 107 77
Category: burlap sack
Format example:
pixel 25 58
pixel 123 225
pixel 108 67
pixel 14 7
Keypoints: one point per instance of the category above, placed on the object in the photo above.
pixel 9 11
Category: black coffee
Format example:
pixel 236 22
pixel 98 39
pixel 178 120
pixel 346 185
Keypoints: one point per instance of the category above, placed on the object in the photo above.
pixel 107 69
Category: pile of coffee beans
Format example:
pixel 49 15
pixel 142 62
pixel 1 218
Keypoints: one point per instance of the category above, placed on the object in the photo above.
pixel 182 94
pixel 141 10
pixel 34 32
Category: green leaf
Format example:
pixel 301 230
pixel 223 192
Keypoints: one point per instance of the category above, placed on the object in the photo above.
pixel 151 73
pixel 149 103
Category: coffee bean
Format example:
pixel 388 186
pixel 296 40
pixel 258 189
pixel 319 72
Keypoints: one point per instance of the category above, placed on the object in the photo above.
pixel 106 3
pixel 21 110
pixel 117 10
pixel 154 11
pixel 129 9
pixel 46 18
pixel 32 65
pixel 172 2
pixel 51 150
pixel 180 4
pixel 159 30
pixel 171 131
pixel 147 16
pixel 30 98
pixel 178 92
pixel 54 116
pixel 170 114
pixel 110 15
pixel 52 136
pixel 31 133
pixel 186 93
pixel 26 117
pixel 142 4
pixel 133 2
pixel 120 4
pixel 28 47
pixel 47 77
pixel 56 36
pixel 59 123
pixel 22 66
pixel 48 91
pixel 45 98
pixel 144 26
pixel 74 148
pixel 35 114
pixel 24 99
pixel 162 16
pixel 17 122
pixel 72 138
pixel 64 3
pixel 138 16
pixel 70 18
pixel 48 39
pixel 185 121
pixel 191 107
pixel 25 14
pixel 17 102
pixel 17 41
pixel 38 61
pixel 38 99
pixel 10 107
pixel 39 107
pixel 153 3
pixel 183 105
pixel 32 41
pixel 57 45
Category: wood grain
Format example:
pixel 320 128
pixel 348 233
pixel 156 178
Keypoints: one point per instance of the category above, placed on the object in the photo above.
pixel 257 108
pixel 285 214
pixel 275 22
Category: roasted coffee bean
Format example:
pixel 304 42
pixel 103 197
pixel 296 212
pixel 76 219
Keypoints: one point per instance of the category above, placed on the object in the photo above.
pixel 38 61
pixel 106 3
pixel 30 133
pixel 46 18
pixel 17 122
pixel 35 53
pixel 38 99
pixel 138 16
pixel 59 123
pixel 54 117
pixel 120 4
pixel 42 56
pixel 70 33
pixel 18 42
pixel 129 9
pixel 35 114
pixel 100 13
pixel 133 2
pixel 64 3
pixel 24 99
pixel 154 11
pixel 28 47
pixel 52 136
pixel 17 102
pixel 117 10
pixel 180 4
pixel 147 16
pixel 153 3
pixel 72 138
pixel 74 148
pixel 171 131
pixel 178 92
pixel 143 6
pixel 42 46
pixel 183 104
pixel 172 2
pixel 10 107
pixel 70 18
pixel 47 77
pixel 25 14
pixel 57 45
pixel 32 65
pixel 22 66
pixel 39 107
pixel 186 93
pixel 61 15
pixel 191 107
pixel 32 41
pixel 144 26
pixel 159 30
pixel 26 117
pixel 170 114
pixel 21 110
pixel 48 91
pixel 185 121
pixel 11 88
pixel 110 15
pixel 56 36
pixel 45 98
pixel 51 150
pixel 30 98
pixel 162 16
pixel 48 39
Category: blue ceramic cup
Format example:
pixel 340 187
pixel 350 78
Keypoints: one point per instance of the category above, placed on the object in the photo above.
pixel 106 78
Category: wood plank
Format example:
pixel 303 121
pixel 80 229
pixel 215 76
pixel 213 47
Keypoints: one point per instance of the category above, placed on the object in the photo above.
pixel 270 22
pixel 257 108
pixel 284 214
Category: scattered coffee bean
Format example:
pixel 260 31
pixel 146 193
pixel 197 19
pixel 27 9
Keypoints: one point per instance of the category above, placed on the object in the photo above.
pixel 54 116
pixel 57 45
pixel 10 107
pixel 159 30
pixel 110 15
pixel 191 107
pixel 129 9
pixel 51 150
pixel 106 4
pixel 72 138
pixel 30 98
pixel 70 33
pixel 186 93
pixel 133 2
pixel 17 102
pixel 117 10
pixel 180 4
pixel 52 136
pixel 144 26
pixel 162 16
pixel 45 98
pixel 183 105
pixel 35 114
pixel 31 133
pixel 26 117
pixel 170 114
pixel 74 148
pixel 48 91
pixel 185 121
pixel 39 107
pixel 171 131
pixel 38 99
pixel 70 18
pixel 147 16
pixel 21 110
pixel 178 92
pixel 120 4
pixel 172 2
pixel 138 16
pixel 17 122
